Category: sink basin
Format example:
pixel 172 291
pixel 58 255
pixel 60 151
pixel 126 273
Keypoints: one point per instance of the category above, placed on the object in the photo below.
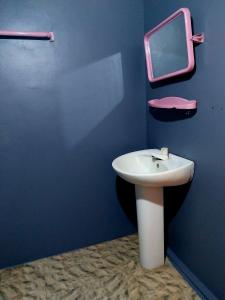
pixel 140 168
pixel 151 170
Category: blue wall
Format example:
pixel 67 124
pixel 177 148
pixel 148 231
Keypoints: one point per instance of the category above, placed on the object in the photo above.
pixel 196 233
pixel 66 110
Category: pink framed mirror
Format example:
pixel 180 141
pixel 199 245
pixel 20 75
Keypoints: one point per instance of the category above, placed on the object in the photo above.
pixel 169 47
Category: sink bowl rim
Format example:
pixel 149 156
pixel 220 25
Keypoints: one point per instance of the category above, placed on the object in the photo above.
pixel 189 163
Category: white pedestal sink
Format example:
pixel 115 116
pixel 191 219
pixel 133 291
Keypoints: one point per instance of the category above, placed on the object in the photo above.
pixel 151 170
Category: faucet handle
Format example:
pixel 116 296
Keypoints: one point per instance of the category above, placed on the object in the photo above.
pixel 165 151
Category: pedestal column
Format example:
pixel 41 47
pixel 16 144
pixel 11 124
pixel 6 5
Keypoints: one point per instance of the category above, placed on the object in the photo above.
pixel 150 218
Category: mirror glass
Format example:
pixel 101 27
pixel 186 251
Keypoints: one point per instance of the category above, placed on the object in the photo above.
pixel 169 48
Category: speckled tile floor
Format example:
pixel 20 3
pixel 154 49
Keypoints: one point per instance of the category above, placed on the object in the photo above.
pixel 105 271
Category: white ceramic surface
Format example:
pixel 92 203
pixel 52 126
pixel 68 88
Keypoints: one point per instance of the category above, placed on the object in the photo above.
pixel 140 168
pixel 150 170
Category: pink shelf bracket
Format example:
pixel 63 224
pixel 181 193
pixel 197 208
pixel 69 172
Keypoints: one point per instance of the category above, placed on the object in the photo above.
pixel 28 34
pixel 198 38
pixel 173 102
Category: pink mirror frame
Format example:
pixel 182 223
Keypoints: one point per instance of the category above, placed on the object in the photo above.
pixel 189 39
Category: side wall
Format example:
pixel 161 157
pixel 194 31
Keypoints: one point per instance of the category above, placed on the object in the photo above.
pixel 196 233
pixel 67 109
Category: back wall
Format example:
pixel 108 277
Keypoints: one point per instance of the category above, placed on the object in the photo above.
pixel 67 109
pixel 196 233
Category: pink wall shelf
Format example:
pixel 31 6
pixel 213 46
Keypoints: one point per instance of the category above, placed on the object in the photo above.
pixel 28 34
pixel 173 102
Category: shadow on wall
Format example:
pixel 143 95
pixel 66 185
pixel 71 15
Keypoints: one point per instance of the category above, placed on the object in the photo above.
pixel 88 95
pixel 126 195
pixel 168 115
pixel 173 199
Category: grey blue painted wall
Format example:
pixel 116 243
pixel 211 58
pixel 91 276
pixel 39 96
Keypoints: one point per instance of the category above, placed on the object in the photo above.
pixel 196 233
pixel 66 110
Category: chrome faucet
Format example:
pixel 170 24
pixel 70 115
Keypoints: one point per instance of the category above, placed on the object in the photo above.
pixel 163 155
pixel 155 158
pixel 165 152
